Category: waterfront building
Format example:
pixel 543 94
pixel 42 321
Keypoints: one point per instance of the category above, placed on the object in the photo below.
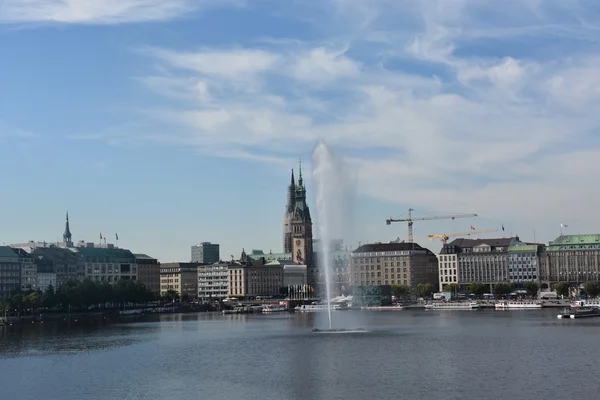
pixel 466 261
pixel 255 280
pixel 206 253
pixel 148 270
pixel 573 259
pixel 297 227
pixel 393 263
pixel 180 277
pixel 523 262
pixel 28 270
pixel 65 263
pixel 213 281
pixel 46 280
pixel 108 264
pixel 10 271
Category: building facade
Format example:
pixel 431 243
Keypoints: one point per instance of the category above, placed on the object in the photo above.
pixel 10 271
pixel 108 264
pixel 181 278
pixel 213 281
pixel 255 280
pixel 573 259
pixel 206 252
pixel 523 263
pixel 466 261
pixel 28 270
pixel 148 270
pixel 393 263
pixel 65 263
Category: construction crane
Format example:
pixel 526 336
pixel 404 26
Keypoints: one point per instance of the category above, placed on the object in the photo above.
pixel 445 236
pixel 410 220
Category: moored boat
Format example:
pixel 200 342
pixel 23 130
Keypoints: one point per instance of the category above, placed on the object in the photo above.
pixel 458 305
pixel 518 305
pixel 579 312
pixel 321 307
pixel 382 308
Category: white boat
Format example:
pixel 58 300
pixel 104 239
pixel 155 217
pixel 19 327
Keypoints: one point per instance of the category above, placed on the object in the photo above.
pixel 321 307
pixel 458 305
pixel 382 308
pixel 586 303
pixel 517 305
pixel 269 308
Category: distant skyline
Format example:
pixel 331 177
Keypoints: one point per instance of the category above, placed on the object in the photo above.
pixel 174 123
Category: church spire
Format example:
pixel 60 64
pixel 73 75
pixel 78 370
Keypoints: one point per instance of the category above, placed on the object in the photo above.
pixel 300 172
pixel 291 197
pixel 67 234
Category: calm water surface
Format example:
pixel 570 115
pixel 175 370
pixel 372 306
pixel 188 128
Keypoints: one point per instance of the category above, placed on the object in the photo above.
pixel 404 354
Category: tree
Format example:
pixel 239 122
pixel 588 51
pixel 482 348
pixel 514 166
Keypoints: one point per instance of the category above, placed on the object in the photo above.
pixel 592 289
pixel 451 287
pixel 532 288
pixel 562 289
pixel 477 289
pixel 170 295
pixel 400 291
pixel 425 289
pixel 503 289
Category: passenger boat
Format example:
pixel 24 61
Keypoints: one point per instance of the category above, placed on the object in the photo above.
pixel 518 305
pixel 459 305
pixel 586 303
pixel 269 308
pixel 579 312
pixel 382 308
pixel 321 307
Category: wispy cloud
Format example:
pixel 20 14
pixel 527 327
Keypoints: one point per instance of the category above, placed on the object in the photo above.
pixel 476 108
pixel 102 11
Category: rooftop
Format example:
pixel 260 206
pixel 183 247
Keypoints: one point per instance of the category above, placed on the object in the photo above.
pixel 494 242
pixel 143 257
pixel 105 252
pixel 392 246
pixel 576 239
pixel 6 251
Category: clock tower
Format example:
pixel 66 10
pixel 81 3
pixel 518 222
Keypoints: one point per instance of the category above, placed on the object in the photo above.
pixel 300 229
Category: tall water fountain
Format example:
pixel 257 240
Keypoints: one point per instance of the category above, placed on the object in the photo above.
pixel 333 193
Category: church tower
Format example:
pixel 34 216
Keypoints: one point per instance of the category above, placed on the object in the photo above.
pixel 301 226
pixel 289 211
pixel 67 234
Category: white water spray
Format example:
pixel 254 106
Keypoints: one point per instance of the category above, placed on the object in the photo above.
pixel 333 196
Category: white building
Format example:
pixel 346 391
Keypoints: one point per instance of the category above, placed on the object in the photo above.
pixel 212 281
pixel 45 280
pixel 447 269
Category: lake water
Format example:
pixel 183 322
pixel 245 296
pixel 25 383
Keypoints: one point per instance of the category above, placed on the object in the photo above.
pixel 404 354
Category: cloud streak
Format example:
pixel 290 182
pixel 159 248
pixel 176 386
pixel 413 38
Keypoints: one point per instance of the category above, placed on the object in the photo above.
pixel 102 12
pixel 476 109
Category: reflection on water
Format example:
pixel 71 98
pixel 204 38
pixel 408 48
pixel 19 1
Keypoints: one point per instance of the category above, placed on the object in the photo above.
pixel 412 354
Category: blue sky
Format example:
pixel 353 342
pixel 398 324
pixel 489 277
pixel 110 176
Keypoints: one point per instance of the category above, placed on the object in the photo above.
pixel 178 122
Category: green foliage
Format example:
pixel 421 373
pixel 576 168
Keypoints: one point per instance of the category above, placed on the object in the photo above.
pixel 502 288
pixel 425 289
pixel 477 289
pixel 450 287
pixel 532 288
pixel 562 288
pixel 592 289
pixel 79 294
pixel 170 295
pixel 400 291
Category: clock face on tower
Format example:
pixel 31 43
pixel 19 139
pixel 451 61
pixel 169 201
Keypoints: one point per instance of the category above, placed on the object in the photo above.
pixel 298 242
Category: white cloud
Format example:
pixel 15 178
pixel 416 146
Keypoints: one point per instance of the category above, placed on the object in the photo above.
pixel 101 11
pixel 443 112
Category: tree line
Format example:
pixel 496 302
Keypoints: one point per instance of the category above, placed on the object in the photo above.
pixel 79 295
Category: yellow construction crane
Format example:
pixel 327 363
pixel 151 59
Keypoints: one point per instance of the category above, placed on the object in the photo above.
pixel 410 220
pixel 445 236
